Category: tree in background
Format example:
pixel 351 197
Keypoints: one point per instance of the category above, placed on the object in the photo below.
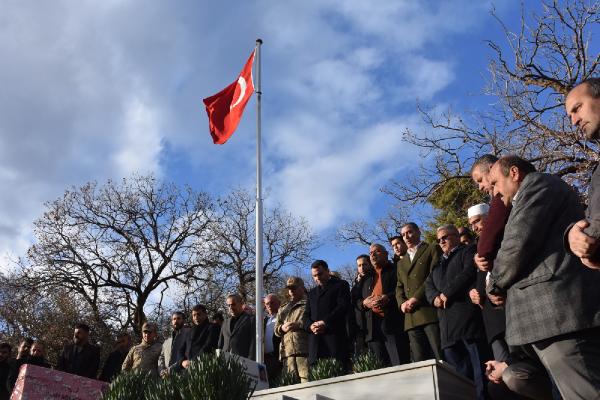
pixel 121 245
pixel 529 78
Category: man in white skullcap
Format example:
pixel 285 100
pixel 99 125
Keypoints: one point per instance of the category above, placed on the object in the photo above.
pixel 477 215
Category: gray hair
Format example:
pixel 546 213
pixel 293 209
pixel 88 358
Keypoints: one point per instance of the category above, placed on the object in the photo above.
pixel 448 228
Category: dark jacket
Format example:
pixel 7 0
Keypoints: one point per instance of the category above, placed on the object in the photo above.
pixel 4 372
pixel 85 363
pixel 356 315
pixel 454 277
pixel 548 291
pixel 112 366
pixel 411 283
pixel 241 339
pixel 393 320
pixel 494 317
pixel 330 304
pixel 203 338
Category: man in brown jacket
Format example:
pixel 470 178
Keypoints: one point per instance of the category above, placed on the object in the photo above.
pixel 289 327
pixel 144 356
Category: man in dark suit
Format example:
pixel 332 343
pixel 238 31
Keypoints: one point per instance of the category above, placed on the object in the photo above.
pixel 80 358
pixel 202 338
pixel 420 318
pixel 384 322
pixel 173 345
pixel 461 326
pixel 5 353
pixel 583 107
pixel 325 316
pixel 552 301
pixel 357 329
pixel 239 330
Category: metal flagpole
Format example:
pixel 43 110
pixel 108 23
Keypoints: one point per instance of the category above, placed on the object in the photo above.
pixel 259 215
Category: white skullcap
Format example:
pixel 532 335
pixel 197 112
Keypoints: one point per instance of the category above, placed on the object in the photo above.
pixel 478 209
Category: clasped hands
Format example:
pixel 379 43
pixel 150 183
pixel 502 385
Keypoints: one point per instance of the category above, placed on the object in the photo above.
pixel 376 302
pixel 318 327
pixel 582 245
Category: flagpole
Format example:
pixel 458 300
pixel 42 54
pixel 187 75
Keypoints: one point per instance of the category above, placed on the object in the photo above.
pixel 259 214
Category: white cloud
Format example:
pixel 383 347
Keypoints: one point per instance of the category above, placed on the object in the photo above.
pixel 92 91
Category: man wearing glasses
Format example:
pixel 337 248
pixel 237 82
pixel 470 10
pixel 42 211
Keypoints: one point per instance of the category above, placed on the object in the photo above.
pixel 461 326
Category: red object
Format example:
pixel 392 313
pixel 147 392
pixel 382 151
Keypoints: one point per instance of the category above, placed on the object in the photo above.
pixel 225 108
pixel 39 383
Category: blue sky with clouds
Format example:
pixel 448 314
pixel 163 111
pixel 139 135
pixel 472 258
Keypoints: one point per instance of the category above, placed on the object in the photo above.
pixel 96 90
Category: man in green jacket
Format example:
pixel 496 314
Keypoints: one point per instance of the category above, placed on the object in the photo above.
pixel 420 318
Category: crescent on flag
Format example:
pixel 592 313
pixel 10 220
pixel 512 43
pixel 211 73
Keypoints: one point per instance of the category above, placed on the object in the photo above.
pixel 225 108
pixel 242 84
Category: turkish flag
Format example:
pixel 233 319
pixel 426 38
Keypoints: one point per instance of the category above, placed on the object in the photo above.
pixel 225 108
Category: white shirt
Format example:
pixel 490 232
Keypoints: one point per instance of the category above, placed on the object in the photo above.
pixel 269 332
pixel 411 252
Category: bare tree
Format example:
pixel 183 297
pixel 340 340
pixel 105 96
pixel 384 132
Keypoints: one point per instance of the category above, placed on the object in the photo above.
pixel 529 77
pixel 288 241
pixel 121 245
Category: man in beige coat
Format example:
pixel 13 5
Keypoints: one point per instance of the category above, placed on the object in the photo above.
pixel 144 356
pixel 289 327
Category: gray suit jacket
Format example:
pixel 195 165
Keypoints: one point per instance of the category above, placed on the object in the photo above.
pixel 549 292
pixel 240 340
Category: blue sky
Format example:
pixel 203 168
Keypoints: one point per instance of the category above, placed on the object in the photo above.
pixel 97 90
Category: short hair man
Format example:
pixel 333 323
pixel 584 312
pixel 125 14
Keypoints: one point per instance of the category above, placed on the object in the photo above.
pixel 218 319
pixel 544 284
pixel 5 353
pixel 272 304
pixel 583 107
pixel 81 357
pixel 399 248
pixel 203 337
pixel 173 345
pixel 239 330
pixel 420 318
pixel 461 326
pixel 112 366
pixel 288 326
pixel 384 322
pixel 357 324
pixel 144 356
pixel 325 315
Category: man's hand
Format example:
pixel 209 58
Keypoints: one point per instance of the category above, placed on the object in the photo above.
pixel 318 327
pixel 290 326
pixel 382 301
pixel 185 364
pixel 409 306
pixel 369 302
pixel 582 245
pixel 482 263
pixel 497 300
pixel 494 370
pixel 437 302
pixel 590 264
pixel 475 297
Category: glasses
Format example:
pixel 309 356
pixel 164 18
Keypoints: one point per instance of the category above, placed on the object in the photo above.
pixel 445 237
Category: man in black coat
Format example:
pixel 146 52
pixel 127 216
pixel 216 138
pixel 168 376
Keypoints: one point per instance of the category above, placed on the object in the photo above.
pixel 325 315
pixel 384 322
pixel 36 356
pixel 202 338
pixel 461 327
pixel 356 315
pixel 5 352
pixel 80 358
pixel 114 361
pixel 238 332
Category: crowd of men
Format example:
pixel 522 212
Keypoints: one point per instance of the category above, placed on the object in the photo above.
pixel 513 304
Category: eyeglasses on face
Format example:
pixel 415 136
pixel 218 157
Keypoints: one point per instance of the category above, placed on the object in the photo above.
pixel 445 237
